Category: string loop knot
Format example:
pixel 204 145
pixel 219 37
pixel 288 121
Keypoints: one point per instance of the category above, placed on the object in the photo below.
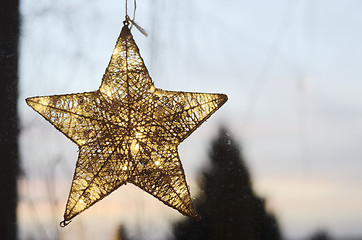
pixel 133 23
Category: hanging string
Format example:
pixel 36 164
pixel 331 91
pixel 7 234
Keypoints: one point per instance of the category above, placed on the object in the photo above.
pixel 134 9
pixel 126 8
pixel 133 23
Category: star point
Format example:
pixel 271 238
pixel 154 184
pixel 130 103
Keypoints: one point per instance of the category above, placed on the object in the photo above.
pixel 128 131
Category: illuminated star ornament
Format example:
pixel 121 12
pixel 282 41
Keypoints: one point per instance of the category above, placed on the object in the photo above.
pixel 127 131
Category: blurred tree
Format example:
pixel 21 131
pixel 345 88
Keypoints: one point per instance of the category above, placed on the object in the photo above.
pixel 122 233
pixel 9 37
pixel 228 206
pixel 320 235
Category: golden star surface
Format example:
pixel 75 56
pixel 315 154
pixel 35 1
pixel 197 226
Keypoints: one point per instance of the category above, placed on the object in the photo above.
pixel 127 131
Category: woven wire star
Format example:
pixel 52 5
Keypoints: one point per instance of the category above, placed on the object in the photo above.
pixel 127 131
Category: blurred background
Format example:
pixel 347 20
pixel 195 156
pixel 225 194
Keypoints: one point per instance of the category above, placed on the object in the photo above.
pixel 292 72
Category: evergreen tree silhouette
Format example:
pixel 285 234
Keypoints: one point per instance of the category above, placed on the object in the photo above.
pixel 228 206
pixel 122 233
pixel 320 235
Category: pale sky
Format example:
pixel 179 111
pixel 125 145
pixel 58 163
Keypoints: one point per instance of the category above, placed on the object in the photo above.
pixel 290 68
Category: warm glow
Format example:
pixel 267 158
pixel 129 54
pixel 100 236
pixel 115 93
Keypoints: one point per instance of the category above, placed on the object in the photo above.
pixel 43 101
pixel 134 148
pixel 116 51
pixel 106 90
pixel 137 132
